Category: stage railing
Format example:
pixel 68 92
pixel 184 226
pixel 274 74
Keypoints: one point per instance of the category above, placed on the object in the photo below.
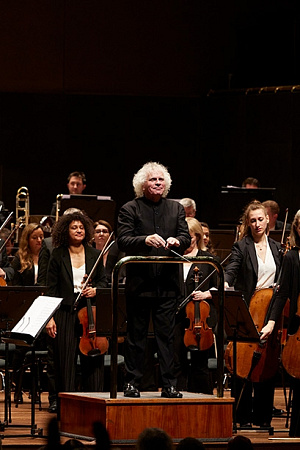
pixel 159 260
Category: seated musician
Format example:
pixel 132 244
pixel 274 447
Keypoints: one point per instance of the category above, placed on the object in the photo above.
pixel 195 378
pixel 76 185
pixel 25 265
pixel 6 270
pixel 103 229
pixel 8 238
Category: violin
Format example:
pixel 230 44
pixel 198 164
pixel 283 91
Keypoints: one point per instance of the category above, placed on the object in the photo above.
pixel 198 336
pixel 89 343
pixel 291 350
pixel 257 361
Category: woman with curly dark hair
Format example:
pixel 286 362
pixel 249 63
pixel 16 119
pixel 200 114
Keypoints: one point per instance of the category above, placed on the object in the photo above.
pixel 72 258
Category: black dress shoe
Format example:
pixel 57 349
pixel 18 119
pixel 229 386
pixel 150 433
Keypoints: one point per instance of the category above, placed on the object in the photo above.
pixel 53 407
pixel 131 391
pixel 277 412
pixel 265 425
pixel 246 425
pixel 18 399
pixel 171 392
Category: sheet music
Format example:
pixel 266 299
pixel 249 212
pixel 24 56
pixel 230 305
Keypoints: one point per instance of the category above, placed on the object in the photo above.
pixel 36 317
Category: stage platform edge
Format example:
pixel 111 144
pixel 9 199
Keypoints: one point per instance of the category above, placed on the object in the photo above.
pixel 206 417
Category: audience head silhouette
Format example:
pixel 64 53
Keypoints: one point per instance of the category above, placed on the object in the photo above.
pixel 102 436
pixel 73 444
pixel 190 443
pixel 154 438
pixel 239 443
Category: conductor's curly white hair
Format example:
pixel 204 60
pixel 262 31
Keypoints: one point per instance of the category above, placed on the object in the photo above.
pixel 142 176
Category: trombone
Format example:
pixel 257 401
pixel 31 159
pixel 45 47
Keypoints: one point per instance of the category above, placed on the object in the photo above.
pixel 58 204
pixel 22 208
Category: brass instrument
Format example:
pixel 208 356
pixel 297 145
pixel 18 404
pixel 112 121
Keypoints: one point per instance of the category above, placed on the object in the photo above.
pixel 58 200
pixel 22 209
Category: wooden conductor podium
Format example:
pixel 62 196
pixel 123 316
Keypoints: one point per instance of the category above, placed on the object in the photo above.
pixel 203 416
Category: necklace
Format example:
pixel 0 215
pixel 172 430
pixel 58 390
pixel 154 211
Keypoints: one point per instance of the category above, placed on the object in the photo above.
pixel 259 245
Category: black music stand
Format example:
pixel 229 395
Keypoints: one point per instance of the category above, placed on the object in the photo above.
pixel 96 206
pixel 239 327
pixel 15 302
pixel 104 312
pixel 233 200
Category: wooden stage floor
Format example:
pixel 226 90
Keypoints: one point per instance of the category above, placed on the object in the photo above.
pixel 22 416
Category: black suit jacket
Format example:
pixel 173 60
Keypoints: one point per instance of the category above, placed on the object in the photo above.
pixel 289 289
pixel 138 219
pixel 26 278
pixel 242 269
pixel 5 264
pixel 44 258
pixel 60 276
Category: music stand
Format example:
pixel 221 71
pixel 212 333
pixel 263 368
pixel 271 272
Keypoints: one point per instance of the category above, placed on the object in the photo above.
pixel 239 327
pixel 15 302
pixel 96 206
pixel 104 312
pixel 233 200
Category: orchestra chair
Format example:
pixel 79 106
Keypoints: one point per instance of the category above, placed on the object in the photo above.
pixel 40 363
pixel 5 375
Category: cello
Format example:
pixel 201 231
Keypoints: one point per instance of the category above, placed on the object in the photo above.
pixel 291 350
pixel 257 361
pixel 198 336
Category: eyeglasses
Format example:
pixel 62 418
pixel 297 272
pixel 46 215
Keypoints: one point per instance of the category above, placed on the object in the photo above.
pixel 102 231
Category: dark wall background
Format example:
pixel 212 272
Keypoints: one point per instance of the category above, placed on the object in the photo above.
pixel 104 86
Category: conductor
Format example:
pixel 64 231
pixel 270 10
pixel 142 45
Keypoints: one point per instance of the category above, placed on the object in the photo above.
pixel 150 225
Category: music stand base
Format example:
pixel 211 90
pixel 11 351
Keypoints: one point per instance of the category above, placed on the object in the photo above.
pixel 34 432
pixel 255 429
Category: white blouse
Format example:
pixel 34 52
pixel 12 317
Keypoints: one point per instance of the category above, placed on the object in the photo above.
pixel 78 274
pixel 266 270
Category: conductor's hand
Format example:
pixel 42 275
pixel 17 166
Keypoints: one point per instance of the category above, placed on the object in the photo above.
pixel 51 328
pixel 172 242
pixel 267 329
pixel 155 240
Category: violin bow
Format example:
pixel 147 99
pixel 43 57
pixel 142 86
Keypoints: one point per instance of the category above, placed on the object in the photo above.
pixel 103 251
pixel 6 220
pixel 9 236
pixel 284 227
pixel 187 299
